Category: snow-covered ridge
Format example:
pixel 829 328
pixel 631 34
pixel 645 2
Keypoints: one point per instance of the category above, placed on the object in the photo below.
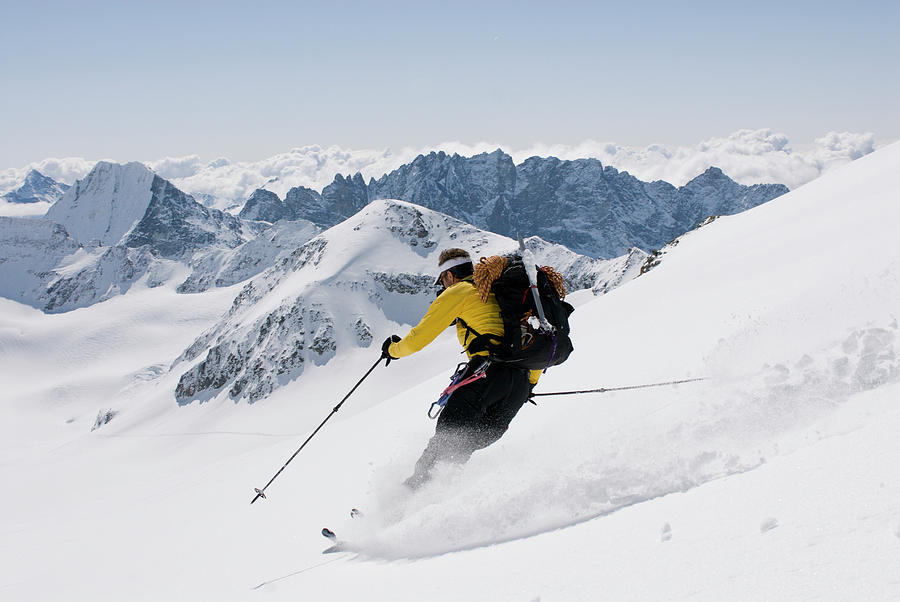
pixel 775 479
pixel 130 205
pixel 749 156
pixel 368 275
pixel 30 249
pixel 106 205
pixel 131 227
pixel 794 324
pixel 124 224
pixel 591 208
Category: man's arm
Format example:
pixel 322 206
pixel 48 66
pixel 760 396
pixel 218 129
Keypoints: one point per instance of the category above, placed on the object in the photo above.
pixel 443 311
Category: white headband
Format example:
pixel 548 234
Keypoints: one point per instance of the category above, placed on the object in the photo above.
pixel 452 263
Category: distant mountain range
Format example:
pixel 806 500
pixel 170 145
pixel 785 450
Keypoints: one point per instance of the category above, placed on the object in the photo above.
pixel 117 225
pixel 593 209
pixel 123 224
pixel 330 271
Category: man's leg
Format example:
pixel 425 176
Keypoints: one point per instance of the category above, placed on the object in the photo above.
pixel 497 416
pixel 455 431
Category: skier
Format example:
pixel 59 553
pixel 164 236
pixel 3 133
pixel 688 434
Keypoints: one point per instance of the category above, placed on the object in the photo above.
pixel 480 411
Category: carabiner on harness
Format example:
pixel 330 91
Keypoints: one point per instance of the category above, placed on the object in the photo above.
pixel 457 381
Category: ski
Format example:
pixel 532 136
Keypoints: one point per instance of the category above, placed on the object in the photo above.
pixel 335 549
pixel 339 546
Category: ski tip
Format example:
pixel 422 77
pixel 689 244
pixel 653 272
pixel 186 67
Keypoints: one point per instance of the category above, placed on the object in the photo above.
pixel 336 548
pixel 326 532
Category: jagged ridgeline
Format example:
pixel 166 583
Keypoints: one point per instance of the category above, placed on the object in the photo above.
pixel 330 272
pixel 590 208
pixel 122 224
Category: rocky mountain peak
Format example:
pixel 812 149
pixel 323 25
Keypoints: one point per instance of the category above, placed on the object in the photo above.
pixel 265 206
pixel 592 208
pixel 714 193
pixel 345 196
pixel 339 291
pixel 37 188
pixel 106 204
pixel 174 224
pixel 129 204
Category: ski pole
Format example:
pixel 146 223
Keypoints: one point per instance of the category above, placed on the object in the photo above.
pixel 261 493
pixel 607 390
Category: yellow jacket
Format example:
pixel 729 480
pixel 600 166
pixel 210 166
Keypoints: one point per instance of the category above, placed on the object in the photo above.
pixel 460 300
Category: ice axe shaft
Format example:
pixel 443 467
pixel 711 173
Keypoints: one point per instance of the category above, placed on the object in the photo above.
pixel 531 270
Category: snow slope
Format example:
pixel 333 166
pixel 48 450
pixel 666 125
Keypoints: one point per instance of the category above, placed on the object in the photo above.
pixel 775 479
pixel 342 288
pixel 107 204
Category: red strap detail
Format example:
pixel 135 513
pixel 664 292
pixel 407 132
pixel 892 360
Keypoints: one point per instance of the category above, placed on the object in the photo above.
pixel 463 383
pixel 478 374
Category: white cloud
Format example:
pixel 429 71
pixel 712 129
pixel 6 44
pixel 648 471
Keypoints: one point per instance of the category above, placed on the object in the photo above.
pixel 23 209
pixel 62 170
pixel 748 156
pixel 311 166
pixel 171 168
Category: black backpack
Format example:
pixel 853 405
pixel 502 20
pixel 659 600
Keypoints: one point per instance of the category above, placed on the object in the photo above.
pixel 524 343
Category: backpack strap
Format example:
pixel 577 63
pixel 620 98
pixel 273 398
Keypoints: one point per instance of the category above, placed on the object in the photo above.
pixel 480 342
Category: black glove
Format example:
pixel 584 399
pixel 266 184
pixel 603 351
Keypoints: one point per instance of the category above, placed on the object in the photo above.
pixel 530 398
pixel 384 349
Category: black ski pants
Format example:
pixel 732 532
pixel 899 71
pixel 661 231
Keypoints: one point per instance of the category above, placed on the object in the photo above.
pixel 476 415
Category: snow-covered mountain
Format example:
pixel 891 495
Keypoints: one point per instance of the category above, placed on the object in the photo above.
pixel 106 204
pixel 132 206
pixel 747 156
pixel 590 208
pixel 124 225
pixel 774 479
pixel 37 188
pixel 224 267
pixel 264 206
pixel 367 275
pixel 134 226
pixel 29 250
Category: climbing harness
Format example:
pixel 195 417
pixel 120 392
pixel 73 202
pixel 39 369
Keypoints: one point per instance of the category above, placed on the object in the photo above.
pixel 457 381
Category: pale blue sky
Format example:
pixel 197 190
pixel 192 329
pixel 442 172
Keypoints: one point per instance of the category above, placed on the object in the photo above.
pixel 130 80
